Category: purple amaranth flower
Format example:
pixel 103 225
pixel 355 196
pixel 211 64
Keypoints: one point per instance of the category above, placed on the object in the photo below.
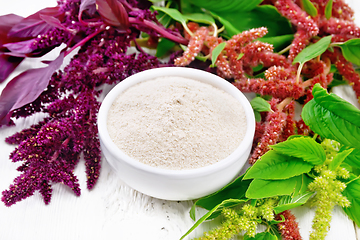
pixel 50 149
pixel 48 157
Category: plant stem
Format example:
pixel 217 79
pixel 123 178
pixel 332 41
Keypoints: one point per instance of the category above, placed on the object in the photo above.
pixel 283 103
pixel 284 50
pixel 160 30
pixel 82 42
pixel 299 72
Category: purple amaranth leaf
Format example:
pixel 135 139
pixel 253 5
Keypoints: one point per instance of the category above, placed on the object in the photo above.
pixel 25 88
pixel 6 23
pixel 113 13
pixel 34 53
pixel 20 47
pixel 33 25
pixel 89 5
pixel 55 22
pixel 8 65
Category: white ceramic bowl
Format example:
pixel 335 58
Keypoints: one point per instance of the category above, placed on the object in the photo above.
pixel 175 184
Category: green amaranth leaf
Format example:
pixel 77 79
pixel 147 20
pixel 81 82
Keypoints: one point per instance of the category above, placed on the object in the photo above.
pixel 339 158
pixel 216 52
pixel 274 165
pixel 313 50
pixel 352 193
pixel 260 188
pixel 302 147
pixel 353 159
pixel 289 202
pixel 332 117
pixel 199 18
pixel 309 8
pixel 208 214
pixel 337 82
pixel 261 105
pixel 185 7
pixel 273 228
pixel 240 56
pixel 278 42
pixel 328 9
pixel 164 46
pixel 164 19
pixel 184 18
pixel 302 186
pixel 257 116
pixel 234 190
pixel 261 16
pixel 173 13
pixel 351 50
pixel 261 236
pixel 258 68
pixel 227 5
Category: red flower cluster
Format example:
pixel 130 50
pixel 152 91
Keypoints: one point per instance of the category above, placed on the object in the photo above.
pixel 194 47
pixel 288 229
pixel 242 54
pixel 346 69
pixel 275 126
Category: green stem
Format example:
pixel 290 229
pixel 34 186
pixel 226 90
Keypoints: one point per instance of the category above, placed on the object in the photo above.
pixel 284 50
pixel 352 180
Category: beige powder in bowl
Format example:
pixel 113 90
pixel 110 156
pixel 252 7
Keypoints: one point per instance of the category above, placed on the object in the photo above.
pixel 176 123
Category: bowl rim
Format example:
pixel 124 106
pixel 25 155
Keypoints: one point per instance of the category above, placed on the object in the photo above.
pixel 150 74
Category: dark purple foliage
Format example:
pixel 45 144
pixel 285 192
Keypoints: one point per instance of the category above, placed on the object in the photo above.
pixel 6 23
pixel 88 5
pixel 53 21
pixel 26 88
pixel 22 47
pixel 50 149
pixel 33 25
pixel 8 65
pixel 113 13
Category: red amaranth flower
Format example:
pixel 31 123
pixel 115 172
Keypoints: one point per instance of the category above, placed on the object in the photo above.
pixel 257 52
pixel 246 37
pixel 194 47
pixel 273 128
pixel 346 69
pixel 313 68
pixel 340 9
pixel 301 40
pixel 276 88
pixel 345 28
pixel 289 229
pixel 289 128
pixel 323 79
pixel 279 73
pixel 302 128
pixel 222 64
pixel 297 16
pixel 234 45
